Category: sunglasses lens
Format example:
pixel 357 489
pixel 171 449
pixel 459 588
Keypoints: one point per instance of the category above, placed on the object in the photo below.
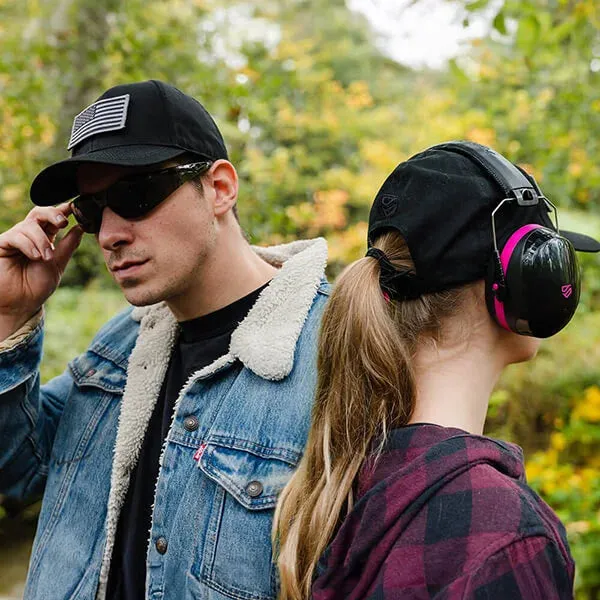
pixel 135 199
pixel 87 213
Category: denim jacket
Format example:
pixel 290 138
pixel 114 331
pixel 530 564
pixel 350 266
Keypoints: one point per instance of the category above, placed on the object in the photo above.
pixel 78 438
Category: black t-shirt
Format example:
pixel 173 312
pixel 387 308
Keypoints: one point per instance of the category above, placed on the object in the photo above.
pixel 199 343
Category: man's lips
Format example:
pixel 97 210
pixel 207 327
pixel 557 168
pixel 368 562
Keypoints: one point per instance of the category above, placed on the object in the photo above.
pixel 126 265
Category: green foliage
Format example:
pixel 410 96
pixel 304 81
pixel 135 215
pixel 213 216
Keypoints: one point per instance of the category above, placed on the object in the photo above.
pixel 534 83
pixel 566 474
pixel 73 317
pixel 303 115
pixel 551 407
pixel 315 117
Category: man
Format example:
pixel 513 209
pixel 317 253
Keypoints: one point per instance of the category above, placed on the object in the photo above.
pixel 162 449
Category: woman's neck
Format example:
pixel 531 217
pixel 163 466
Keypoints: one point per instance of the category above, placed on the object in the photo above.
pixel 454 384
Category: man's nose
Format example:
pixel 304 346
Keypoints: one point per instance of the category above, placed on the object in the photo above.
pixel 115 231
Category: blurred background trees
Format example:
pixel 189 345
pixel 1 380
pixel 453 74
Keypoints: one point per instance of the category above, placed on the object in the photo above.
pixel 316 114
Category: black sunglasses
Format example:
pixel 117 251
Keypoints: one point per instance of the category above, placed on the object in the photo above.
pixel 133 197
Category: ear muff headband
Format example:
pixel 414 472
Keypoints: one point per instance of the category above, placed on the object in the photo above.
pixel 513 183
pixel 505 256
pixel 522 310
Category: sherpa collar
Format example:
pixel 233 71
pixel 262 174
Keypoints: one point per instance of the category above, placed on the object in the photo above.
pixel 265 342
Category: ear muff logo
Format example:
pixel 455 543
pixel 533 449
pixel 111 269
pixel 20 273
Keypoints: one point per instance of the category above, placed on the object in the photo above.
pixel 567 290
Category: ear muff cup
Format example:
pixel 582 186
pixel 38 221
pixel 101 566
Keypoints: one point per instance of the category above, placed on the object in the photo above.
pixel 542 283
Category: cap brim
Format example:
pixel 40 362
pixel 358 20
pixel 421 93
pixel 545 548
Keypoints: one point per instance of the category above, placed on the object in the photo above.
pixel 58 182
pixel 581 242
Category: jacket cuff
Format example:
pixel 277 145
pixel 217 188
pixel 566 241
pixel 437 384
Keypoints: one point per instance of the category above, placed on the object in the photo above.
pixel 23 333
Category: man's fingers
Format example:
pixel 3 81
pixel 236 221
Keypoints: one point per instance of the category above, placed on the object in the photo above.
pixel 66 247
pixel 40 238
pixel 34 236
pixel 66 208
pixel 29 239
pixel 51 217
pixel 20 242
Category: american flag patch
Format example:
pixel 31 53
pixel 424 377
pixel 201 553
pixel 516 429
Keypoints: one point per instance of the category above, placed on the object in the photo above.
pixel 105 115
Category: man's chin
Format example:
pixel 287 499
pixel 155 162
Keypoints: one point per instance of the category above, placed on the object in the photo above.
pixel 137 297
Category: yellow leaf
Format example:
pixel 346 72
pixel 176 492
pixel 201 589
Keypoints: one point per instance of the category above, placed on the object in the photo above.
pixel 558 441
pixel 329 208
pixel 13 194
pixel 578 527
pixel 348 245
pixel 482 135
pixel 532 171
pixel 588 408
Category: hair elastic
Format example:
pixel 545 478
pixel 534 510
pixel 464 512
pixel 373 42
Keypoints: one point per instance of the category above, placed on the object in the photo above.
pixel 396 284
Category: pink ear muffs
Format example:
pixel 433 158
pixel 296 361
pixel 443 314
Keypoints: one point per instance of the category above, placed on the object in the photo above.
pixel 505 256
pixel 533 283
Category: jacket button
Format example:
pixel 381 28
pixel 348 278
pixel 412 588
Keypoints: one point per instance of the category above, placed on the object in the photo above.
pixel 190 423
pixel 254 489
pixel 161 545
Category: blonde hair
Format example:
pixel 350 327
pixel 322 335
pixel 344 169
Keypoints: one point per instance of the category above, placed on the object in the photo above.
pixel 365 387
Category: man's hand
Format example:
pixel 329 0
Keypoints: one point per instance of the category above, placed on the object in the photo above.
pixel 31 265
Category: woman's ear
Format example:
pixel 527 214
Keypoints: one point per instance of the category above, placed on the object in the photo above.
pixel 224 180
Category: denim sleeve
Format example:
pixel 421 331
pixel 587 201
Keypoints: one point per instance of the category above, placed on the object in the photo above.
pixel 29 415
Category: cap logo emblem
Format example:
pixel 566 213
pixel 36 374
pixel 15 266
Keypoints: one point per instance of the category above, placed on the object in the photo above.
pixel 389 205
pixel 105 115
pixel 566 290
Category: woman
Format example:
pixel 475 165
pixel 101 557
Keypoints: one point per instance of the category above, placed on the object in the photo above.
pixel 399 495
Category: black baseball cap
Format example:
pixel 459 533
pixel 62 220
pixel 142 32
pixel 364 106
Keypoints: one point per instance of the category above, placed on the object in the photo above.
pixel 441 202
pixel 133 125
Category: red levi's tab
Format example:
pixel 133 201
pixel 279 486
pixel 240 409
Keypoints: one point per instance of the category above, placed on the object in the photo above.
pixel 199 452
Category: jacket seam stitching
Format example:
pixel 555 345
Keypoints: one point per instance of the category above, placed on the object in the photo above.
pixel 241 444
pixel 26 343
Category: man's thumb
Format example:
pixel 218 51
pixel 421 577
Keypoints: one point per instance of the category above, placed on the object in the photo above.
pixel 66 247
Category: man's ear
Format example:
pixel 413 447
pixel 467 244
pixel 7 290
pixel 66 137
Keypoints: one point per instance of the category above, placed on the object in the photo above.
pixel 224 180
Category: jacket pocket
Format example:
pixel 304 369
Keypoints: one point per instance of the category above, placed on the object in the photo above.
pixel 96 371
pixel 98 382
pixel 237 557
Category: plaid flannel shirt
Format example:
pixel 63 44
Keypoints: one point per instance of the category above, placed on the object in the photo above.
pixel 444 514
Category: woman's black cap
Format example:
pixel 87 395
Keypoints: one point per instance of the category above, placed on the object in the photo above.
pixel 133 125
pixel 441 202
